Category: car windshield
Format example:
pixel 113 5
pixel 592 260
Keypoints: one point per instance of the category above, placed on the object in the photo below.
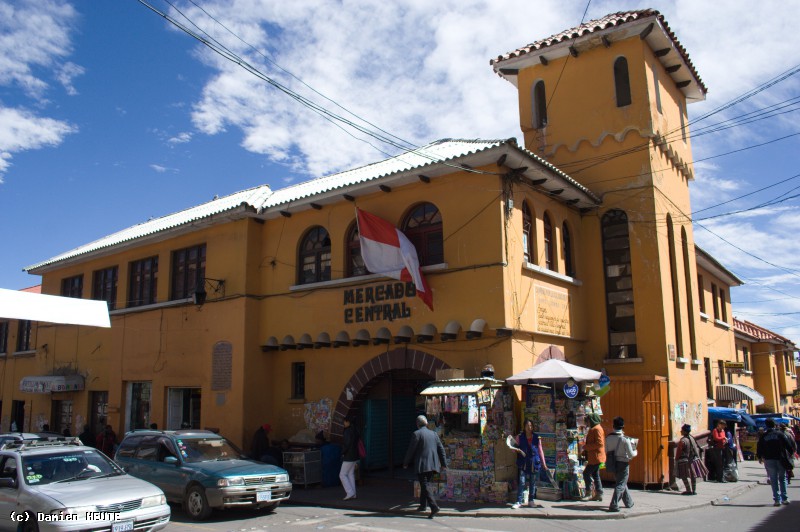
pixel 66 466
pixel 206 449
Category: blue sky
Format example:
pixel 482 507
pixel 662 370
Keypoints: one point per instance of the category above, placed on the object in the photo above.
pixel 109 116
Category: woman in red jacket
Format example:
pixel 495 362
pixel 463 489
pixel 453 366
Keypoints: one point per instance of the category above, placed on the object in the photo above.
pixel 719 442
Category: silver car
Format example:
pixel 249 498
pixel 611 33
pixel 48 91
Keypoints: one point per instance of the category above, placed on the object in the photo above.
pixel 49 485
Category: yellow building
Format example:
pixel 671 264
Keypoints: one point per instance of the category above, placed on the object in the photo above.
pixel 256 307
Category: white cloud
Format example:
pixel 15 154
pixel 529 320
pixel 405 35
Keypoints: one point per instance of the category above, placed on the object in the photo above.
pixel 21 130
pixel 180 138
pixel 161 169
pixel 66 73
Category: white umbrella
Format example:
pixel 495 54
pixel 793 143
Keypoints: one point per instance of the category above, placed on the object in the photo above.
pixel 554 371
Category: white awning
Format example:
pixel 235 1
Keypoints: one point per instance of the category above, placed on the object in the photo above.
pixel 554 371
pixel 18 305
pixel 453 388
pixel 739 392
pixel 51 383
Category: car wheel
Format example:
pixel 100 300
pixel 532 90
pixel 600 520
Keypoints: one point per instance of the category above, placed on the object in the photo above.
pixel 30 525
pixel 196 504
pixel 269 507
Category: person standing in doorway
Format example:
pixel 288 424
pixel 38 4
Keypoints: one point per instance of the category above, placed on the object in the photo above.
pixel 349 459
pixel 595 448
pixel 107 441
pixel 530 458
pixel 772 449
pixel 623 452
pixel 427 452
pixel 259 448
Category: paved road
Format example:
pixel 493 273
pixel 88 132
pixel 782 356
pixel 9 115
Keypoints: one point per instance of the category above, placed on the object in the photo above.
pixel 751 511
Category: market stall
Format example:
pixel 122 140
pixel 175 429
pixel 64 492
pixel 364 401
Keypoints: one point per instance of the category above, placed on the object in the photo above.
pixel 557 397
pixel 472 417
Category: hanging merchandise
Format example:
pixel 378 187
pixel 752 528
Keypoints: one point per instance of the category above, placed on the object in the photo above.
pixel 472 427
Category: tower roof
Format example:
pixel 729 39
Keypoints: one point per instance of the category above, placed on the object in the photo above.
pixel 648 24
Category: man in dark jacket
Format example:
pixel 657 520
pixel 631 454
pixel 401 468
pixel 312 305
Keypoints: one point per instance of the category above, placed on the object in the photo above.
pixel 259 449
pixel 427 451
pixel 773 451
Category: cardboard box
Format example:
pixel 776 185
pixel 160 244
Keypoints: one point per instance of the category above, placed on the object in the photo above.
pixel 450 373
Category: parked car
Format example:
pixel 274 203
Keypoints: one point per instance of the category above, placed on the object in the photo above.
pixel 65 486
pixel 202 471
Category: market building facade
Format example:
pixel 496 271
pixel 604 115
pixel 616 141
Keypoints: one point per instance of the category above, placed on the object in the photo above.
pixel 257 307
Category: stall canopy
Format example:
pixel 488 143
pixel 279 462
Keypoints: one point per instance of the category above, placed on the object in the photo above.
pixel 760 419
pixel 729 414
pixel 554 371
pixel 459 386
pixel 54 309
pixel 51 383
pixel 739 392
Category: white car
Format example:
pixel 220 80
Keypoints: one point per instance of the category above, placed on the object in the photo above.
pixel 48 485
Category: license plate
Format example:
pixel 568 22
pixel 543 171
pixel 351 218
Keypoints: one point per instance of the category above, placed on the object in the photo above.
pixel 122 526
pixel 262 496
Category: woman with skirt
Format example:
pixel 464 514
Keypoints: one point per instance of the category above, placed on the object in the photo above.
pixel 689 465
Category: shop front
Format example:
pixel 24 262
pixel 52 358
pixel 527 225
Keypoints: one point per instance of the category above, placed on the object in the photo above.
pixel 472 417
pixel 557 396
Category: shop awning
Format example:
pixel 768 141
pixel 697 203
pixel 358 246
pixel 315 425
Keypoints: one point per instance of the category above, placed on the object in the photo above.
pixel 453 388
pixel 729 414
pixel 18 305
pixel 739 392
pixel 51 383
pixel 554 371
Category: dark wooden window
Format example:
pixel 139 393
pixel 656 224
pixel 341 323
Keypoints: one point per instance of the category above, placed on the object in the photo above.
pixel 566 242
pixel 188 271
pixel 528 234
pixel 701 293
pixel 423 227
pixel 549 250
pixel 3 336
pixel 746 358
pixel 622 83
pixel 104 286
pixel 72 287
pixel 539 105
pixel 715 300
pixel 315 257
pixel 298 380
pixel 24 340
pixel 723 309
pixel 143 285
pixel 675 288
pixel 709 378
pixel 355 263
pixel 620 309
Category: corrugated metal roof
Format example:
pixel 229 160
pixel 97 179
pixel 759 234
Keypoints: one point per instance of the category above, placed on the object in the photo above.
pixel 262 198
pixel 253 197
pixel 609 21
pixel 433 153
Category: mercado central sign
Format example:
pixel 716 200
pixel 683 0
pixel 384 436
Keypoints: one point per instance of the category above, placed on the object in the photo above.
pixel 378 303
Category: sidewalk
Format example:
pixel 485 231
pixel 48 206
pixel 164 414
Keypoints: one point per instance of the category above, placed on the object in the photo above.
pixel 388 496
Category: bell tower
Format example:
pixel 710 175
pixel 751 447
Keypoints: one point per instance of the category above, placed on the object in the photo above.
pixel 605 102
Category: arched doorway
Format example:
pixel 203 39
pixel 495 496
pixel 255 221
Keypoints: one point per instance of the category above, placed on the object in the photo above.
pixel 383 395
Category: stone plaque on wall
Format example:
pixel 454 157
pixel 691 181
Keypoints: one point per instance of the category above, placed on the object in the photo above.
pixel 222 366
pixel 552 311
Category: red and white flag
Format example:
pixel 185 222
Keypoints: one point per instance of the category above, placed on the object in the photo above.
pixel 387 251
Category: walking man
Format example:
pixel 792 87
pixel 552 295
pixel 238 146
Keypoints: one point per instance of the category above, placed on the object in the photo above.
pixel 595 448
pixel 773 450
pixel 427 452
pixel 623 450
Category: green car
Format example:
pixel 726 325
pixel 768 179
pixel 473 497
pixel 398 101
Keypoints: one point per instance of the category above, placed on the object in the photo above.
pixel 202 471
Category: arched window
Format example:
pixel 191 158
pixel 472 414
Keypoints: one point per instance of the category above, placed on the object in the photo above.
pixel 622 83
pixel 355 263
pixel 687 279
pixel 528 233
pixel 566 242
pixel 315 256
pixel 549 255
pixel 423 227
pixel 539 105
pixel 620 313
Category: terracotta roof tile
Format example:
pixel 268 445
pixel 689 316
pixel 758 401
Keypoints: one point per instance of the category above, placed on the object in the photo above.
pixel 609 21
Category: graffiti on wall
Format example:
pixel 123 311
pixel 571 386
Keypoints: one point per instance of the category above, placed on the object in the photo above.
pixel 683 412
